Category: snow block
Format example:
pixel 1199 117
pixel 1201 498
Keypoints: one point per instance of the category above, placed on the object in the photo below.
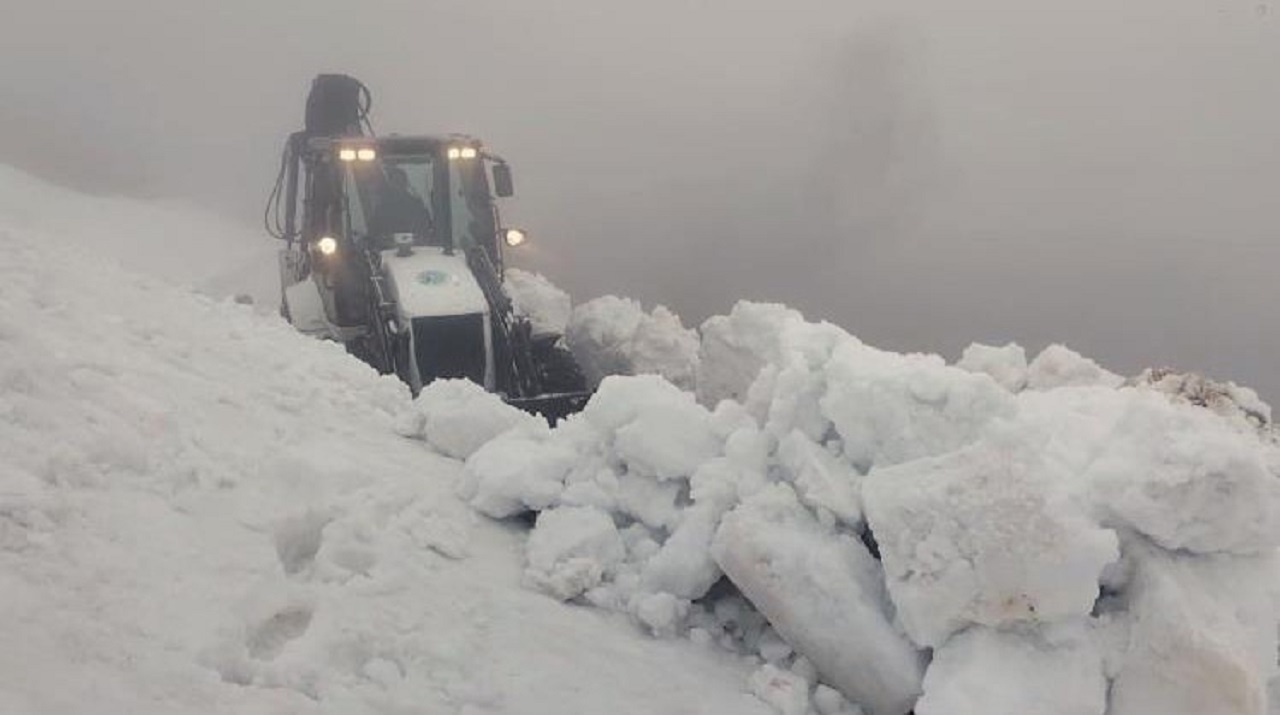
pixel 1194 646
pixel 978 537
pixel 988 672
pixel 457 417
pixel 823 593
pixel 736 346
pixel 571 549
pixel 1059 366
pixel 516 472
pixel 890 408
pixel 1007 365
pixel 615 336
pixel 1188 479
pixel 822 480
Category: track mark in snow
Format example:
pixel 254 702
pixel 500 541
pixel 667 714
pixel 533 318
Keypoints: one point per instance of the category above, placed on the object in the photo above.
pixel 270 637
pixel 298 541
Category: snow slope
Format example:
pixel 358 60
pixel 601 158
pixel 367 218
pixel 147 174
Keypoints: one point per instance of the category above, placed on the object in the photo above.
pixel 202 511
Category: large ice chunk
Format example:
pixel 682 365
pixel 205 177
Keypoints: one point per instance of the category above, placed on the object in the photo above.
pixel 1203 636
pixel 979 537
pixel 988 672
pixel 824 593
pixel 890 408
pixel 1188 479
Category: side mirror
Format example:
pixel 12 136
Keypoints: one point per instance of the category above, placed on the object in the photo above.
pixel 502 183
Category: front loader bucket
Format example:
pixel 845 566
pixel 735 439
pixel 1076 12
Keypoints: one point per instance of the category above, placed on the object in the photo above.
pixel 554 406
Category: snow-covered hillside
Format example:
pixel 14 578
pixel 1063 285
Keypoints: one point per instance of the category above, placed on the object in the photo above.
pixel 201 511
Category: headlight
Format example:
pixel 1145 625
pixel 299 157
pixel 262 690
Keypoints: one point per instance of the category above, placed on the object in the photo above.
pixel 352 153
pixel 327 245
pixel 514 237
pixel 463 152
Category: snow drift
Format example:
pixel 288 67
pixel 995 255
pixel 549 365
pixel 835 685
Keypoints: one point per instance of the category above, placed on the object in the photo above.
pixel 1051 537
pixel 202 511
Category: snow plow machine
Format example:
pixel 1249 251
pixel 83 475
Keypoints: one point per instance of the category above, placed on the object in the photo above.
pixel 394 247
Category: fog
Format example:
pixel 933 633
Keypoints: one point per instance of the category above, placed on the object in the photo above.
pixel 925 174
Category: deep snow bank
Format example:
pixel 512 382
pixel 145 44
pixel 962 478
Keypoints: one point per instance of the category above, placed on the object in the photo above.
pixel 1052 538
pixel 202 511
pixel 170 240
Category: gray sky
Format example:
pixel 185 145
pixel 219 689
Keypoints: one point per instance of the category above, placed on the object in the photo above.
pixel 925 174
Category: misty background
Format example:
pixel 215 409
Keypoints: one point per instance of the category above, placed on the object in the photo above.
pixel 1100 173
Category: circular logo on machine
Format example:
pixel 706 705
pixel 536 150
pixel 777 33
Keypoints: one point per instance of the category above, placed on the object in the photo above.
pixel 433 278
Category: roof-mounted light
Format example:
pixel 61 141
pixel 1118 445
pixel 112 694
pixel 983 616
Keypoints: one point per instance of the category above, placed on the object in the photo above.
pixel 463 152
pixel 357 153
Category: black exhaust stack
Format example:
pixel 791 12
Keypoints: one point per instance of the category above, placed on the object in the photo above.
pixel 337 106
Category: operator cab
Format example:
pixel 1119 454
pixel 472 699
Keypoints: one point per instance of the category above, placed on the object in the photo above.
pixel 435 190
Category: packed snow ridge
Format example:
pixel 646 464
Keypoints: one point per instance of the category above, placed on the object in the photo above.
pixel 889 532
pixel 202 510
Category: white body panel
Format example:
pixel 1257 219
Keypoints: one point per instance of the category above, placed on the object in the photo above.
pixel 428 283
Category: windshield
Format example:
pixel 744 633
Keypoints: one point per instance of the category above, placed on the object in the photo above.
pixel 470 206
pixel 440 201
pixel 393 195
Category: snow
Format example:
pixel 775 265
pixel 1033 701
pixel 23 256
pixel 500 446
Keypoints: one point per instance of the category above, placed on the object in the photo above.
pixel 823 593
pixel 203 510
pixel 985 672
pixel 1192 645
pixel 519 472
pixel 572 549
pixel 1007 364
pixel 1013 509
pixel 615 336
pixel 1188 480
pixel 736 346
pixel 457 417
pixel 534 296
pixel 980 537
pixel 1060 366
